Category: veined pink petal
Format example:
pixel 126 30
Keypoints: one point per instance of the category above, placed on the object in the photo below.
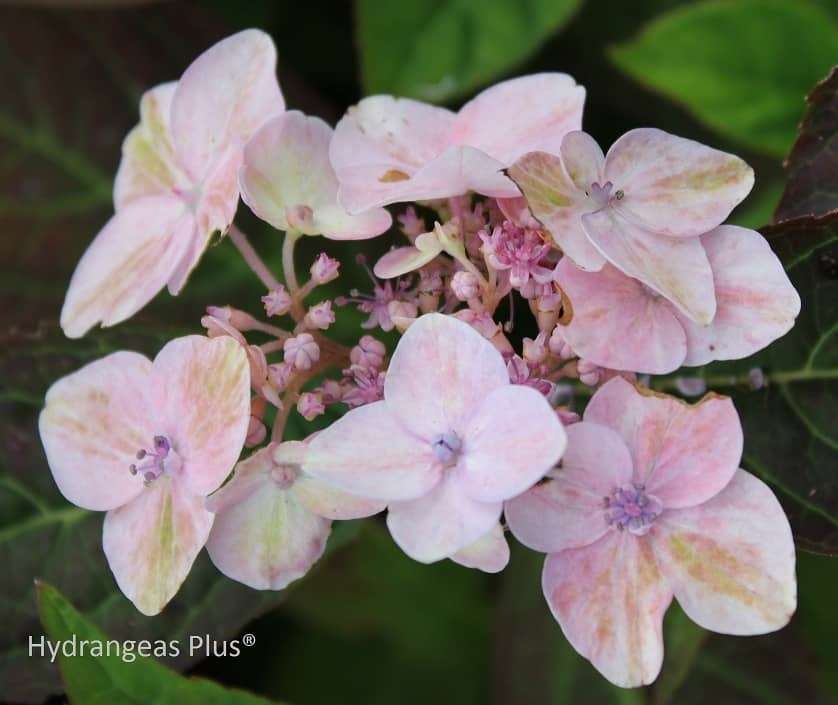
pixel 440 373
pixel 684 453
pixel 677 269
pixel 755 301
pixel 609 599
pixel 152 541
pixel 490 553
pixel 205 406
pixel 149 165
pixel 368 452
pixel 269 539
pixel 442 522
pixel 558 204
pixel 567 511
pixel 381 143
pixel 618 323
pixel 130 260
pixel 327 501
pixel 511 441
pixel 286 165
pixel 583 160
pixel 521 115
pixel 407 259
pixel 224 96
pixel 248 477
pixel 675 186
pixel 93 423
pixel 730 561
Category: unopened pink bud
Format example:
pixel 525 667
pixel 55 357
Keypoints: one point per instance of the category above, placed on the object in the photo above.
pixel 589 373
pixel 535 351
pixel 324 269
pixel 279 374
pixel 558 345
pixel 277 301
pixel 369 352
pixel 256 433
pixel 465 285
pixel 310 405
pixel 301 351
pixel 320 315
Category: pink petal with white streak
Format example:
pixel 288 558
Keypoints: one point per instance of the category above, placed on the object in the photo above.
pixel 684 453
pixel 675 186
pixel 618 323
pixel 327 501
pixel 609 599
pixel 730 561
pixel 566 511
pixel 755 301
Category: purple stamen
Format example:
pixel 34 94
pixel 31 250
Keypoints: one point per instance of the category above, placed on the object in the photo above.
pixel 631 508
pixel 158 461
pixel 446 448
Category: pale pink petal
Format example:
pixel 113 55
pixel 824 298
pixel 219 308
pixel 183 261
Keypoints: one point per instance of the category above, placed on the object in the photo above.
pixel 224 96
pixel 93 423
pixel 440 373
pixel 407 259
pixel 675 186
pixel 248 477
pixel 152 541
pixel 684 453
pixel 677 269
pixel 566 510
pixel 517 210
pixel 286 166
pixel 205 406
pixel 327 501
pixel 755 301
pixel 583 160
pixel 730 561
pixel 268 539
pixel 490 553
pixel 511 441
pixel 126 265
pixel 557 204
pixel 368 452
pixel 381 143
pixel 609 599
pixel 149 164
pixel 521 115
pixel 216 209
pixel 442 522
pixel 618 323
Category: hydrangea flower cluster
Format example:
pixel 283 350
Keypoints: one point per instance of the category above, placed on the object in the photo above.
pixel 623 260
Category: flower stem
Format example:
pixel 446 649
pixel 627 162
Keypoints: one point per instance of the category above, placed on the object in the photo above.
pixel 290 272
pixel 252 258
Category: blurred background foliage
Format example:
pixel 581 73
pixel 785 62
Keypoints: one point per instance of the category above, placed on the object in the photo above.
pixel 368 625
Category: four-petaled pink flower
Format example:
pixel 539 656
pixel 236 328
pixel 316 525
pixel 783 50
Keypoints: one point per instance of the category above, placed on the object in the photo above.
pixel 272 520
pixel 642 208
pixel 649 503
pixel 147 442
pixel 621 324
pixel 176 184
pixel 388 150
pixel 450 441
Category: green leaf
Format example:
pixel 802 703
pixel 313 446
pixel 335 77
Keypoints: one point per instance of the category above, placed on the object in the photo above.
pixel 437 50
pixel 113 678
pixel 740 66
pixel 812 187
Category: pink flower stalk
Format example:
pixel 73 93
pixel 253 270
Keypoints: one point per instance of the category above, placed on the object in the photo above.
pixel 451 440
pixel 176 184
pixel 277 301
pixel 324 269
pixel 272 520
pixel 301 351
pixel 620 323
pixel 641 208
pixel 387 150
pixel 518 250
pixel 146 442
pixel 287 181
pixel 648 504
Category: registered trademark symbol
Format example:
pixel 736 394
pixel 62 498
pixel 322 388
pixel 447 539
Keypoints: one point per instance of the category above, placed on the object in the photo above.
pixel 248 639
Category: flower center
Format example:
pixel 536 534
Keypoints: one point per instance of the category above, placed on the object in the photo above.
pixel 284 476
pixel 630 508
pixel 159 459
pixel 446 448
pixel 601 194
